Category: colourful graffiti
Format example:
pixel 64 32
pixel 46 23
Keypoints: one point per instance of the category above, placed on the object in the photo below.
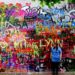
pixel 28 33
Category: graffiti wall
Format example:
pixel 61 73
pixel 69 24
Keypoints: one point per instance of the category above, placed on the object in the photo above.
pixel 27 34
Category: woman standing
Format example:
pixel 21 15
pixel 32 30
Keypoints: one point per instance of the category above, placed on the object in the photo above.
pixel 56 55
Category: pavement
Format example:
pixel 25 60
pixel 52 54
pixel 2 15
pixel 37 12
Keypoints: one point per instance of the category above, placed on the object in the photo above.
pixel 36 73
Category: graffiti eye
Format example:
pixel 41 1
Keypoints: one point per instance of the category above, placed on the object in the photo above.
pixel 73 13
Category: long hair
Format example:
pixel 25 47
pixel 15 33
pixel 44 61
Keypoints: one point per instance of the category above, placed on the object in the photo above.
pixel 56 46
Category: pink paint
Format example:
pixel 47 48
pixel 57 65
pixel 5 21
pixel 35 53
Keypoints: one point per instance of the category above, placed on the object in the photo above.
pixel 28 4
pixel 21 13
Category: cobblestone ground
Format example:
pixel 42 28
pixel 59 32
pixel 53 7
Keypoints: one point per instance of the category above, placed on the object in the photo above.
pixel 37 73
